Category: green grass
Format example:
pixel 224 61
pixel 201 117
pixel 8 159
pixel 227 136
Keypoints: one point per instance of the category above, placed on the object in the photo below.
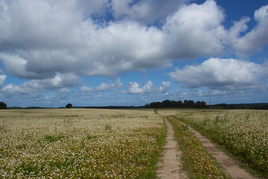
pixel 90 137
pixel 50 138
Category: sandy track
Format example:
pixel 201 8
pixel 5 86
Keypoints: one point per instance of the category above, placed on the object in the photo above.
pixel 170 165
pixel 230 166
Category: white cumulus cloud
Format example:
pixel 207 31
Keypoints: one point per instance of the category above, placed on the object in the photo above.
pixel 165 87
pixel 218 73
pixel 136 89
pixel 105 86
pixel 45 40
pixel 86 89
pixel 2 80
pixel 146 11
pixel 195 30
pixel 64 90
pixel 257 38
pixel 56 82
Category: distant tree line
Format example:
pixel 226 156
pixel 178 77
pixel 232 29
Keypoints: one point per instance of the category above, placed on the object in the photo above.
pixel 177 104
pixel 240 106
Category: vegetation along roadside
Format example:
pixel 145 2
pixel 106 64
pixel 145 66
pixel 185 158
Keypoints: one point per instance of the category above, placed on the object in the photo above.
pixel 243 133
pixel 197 161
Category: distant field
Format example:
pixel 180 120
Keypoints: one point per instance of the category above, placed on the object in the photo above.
pixel 72 143
pixel 244 133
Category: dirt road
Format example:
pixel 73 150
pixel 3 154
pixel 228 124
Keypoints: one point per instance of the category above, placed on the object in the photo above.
pixel 170 165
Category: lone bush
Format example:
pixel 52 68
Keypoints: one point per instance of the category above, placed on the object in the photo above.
pixel 69 105
pixel 3 105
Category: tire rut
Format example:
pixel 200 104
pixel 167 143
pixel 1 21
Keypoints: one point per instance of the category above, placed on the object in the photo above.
pixel 170 167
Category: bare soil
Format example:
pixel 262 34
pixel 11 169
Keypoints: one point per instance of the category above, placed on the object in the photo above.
pixel 230 166
pixel 170 166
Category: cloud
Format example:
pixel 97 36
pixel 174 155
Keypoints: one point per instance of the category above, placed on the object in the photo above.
pixel 41 39
pixel 15 65
pixel 102 87
pixel 57 82
pixel 49 37
pixel 2 80
pixel 134 88
pixel 60 81
pixel 217 73
pixel 213 93
pixel 181 94
pixel 104 52
pixel 86 89
pixel 91 6
pixel 64 90
pixel 39 23
pixel 127 46
pixel 106 87
pixel 11 89
pixel 165 87
pixel 265 66
pixel 99 95
pixel 49 98
pixel 146 11
pixel 257 38
pixel 195 30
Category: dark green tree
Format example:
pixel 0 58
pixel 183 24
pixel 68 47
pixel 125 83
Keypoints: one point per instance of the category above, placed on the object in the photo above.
pixel 165 104
pixel 180 103
pixel 69 105
pixel 203 104
pixel 3 105
pixel 185 103
pixel 198 104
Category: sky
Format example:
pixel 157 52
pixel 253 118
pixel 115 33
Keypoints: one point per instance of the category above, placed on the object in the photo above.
pixel 132 52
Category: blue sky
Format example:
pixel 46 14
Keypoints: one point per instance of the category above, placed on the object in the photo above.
pixel 132 52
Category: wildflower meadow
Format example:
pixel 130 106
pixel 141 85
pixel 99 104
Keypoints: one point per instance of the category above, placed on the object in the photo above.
pixel 79 143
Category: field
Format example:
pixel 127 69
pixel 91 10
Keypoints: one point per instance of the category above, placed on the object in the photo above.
pixel 243 133
pixel 73 143
pixel 103 143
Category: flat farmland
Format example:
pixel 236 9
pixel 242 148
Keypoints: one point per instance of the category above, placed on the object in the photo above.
pixel 106 143
pixel 79 143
